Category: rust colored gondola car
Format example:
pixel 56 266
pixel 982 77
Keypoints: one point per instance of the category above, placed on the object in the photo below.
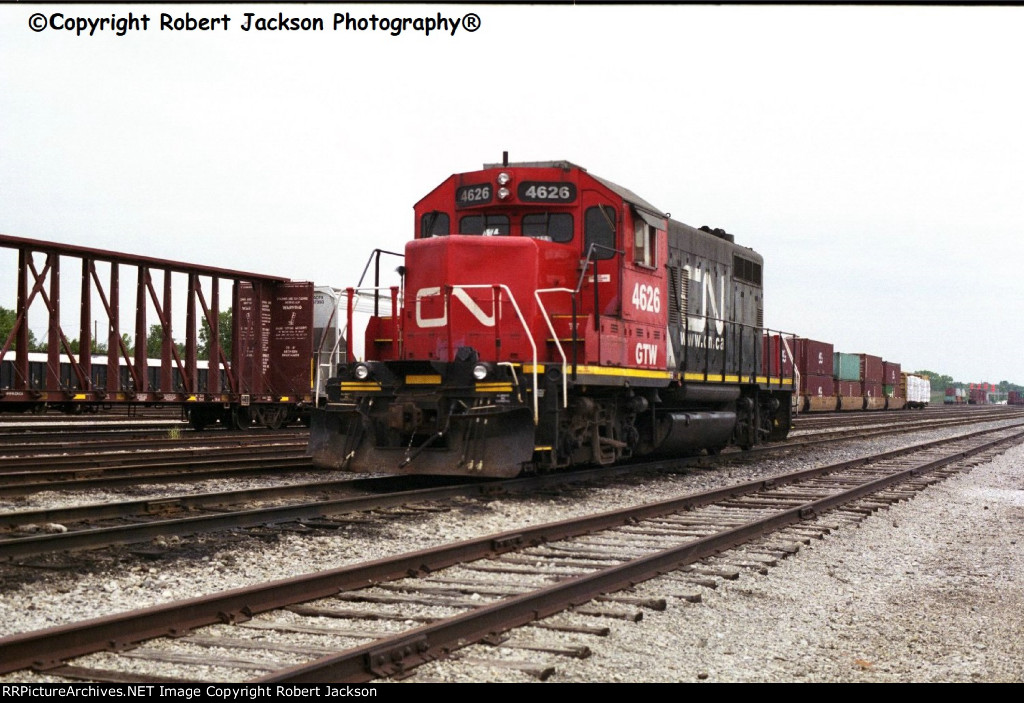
pixel 261 370
pixel 549 317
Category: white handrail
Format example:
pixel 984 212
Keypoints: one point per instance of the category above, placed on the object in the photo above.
pixel 526 328
pixel 519 314
pixel 554 335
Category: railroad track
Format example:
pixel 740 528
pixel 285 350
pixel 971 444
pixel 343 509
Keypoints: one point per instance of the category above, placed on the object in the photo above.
pixel 810 421
pixel 321 504
pixel 27 475
pixel 65 444
pixel 863 430
pixel 358 624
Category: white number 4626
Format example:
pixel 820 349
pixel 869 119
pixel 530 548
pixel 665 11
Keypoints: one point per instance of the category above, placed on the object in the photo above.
pixel 647 298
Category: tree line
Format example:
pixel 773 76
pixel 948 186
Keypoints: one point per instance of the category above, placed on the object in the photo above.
pixel 154 339
pixel 940 382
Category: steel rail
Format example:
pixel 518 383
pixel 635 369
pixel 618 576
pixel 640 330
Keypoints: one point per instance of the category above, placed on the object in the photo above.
pixel 171 472
pixel 145 444
pixel 48 648
pixel 185 460
pixel 396 654
pixel 193 501
pixel 20 547
pixel 131 455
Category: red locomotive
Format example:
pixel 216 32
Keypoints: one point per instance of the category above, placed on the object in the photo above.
pixel 548 317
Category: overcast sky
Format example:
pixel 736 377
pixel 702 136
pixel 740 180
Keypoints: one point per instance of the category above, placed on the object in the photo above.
pixel 873 155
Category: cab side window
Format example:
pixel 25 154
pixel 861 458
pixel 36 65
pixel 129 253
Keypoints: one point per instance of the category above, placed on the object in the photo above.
pixel 645 238
pixel 434 224
pixel 599 228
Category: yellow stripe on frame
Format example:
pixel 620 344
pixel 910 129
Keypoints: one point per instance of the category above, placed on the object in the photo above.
pixel 360 386
pixel 717 377
pixel 494 387
pixel 430 379
pixel 618 371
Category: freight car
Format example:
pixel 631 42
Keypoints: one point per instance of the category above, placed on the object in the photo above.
pixel 98 372
pixel 196 408
pixel 284 336
pixel 835 381
pixel 955 396
pixel 549 317
pixel 917 390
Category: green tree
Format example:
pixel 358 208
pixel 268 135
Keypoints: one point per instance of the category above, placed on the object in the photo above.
pixel 939 381
pixel 224 334
pixel 7 319
pixel 97 348
pixel 155 343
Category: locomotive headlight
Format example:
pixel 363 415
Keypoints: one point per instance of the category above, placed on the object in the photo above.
pixel 361 372
pixel 481 371
pixel 504 179
pixel 503 193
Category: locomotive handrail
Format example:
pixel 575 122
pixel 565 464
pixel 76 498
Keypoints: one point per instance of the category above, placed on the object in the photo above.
pixel 526 328
pixel 796 369
pixel 320 350
pixel 554 335
pixel 375 257
pixel 352 295
pixel 579 284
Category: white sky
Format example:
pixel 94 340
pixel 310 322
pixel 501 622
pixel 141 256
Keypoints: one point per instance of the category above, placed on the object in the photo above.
pixel 873 155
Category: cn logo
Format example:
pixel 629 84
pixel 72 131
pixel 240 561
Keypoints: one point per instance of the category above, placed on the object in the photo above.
pixel 457 294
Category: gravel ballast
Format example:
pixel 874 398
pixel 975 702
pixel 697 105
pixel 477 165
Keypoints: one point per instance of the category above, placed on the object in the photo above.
pixel 928 590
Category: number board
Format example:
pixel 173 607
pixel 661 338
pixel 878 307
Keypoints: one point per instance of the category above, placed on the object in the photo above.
pixel 473 195
pixel 541 192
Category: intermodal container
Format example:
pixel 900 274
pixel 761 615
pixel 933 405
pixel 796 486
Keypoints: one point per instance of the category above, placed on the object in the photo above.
pixel 890 375
pixel 849 388
pixel 870 368
pixel 778 356
pixel 873 389
pixel 821 386
pixel 814 358
pixel 845 367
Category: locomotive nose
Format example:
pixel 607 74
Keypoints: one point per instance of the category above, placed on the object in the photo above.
pixel 470 292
